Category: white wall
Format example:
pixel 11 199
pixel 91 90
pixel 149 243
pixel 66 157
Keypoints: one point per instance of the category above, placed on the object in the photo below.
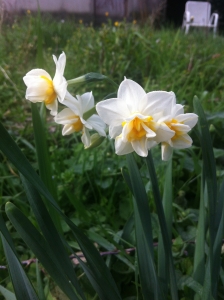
pixel 114 7
pixel 73 6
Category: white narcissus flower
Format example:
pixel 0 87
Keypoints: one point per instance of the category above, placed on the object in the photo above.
pixel 181 124
pixel 133 118
pixel 41 87
pixel 72 117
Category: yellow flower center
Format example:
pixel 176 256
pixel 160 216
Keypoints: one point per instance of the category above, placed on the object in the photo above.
pixel 177 132
pixel 136 128
pixel 77 126
pixel 50 92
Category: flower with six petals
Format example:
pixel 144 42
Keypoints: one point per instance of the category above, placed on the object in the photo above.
pixel 72 117
pixel 41 87
pixel 181 124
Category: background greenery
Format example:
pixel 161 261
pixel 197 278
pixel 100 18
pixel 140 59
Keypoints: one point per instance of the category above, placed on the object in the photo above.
pixel 90 187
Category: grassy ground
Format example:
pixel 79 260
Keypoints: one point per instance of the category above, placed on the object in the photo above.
pixel 91 190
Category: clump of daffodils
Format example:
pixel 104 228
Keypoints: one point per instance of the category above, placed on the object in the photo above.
pixel 137 120
pixel 42 88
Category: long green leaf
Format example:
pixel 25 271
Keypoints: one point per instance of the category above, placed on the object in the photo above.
pixel 15 155
pixel 209 168
pixel 143 229
pixel 7 294
pixel 40 248
pixel 40 289
pixel 199 254
pixel 97 266
pixel 167 205
pixel 96 263
pixel 50 233
pixel 22 286
pixel 91 254
pixel 110 247
pixel 163 227
pixel 218 243
pixel 207 290
pixel 43 159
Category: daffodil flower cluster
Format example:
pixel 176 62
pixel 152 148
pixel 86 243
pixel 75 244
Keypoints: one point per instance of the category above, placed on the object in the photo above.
pixel 41 88
pixel 137 120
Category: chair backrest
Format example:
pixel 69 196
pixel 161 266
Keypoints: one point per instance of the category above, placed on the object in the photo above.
pixel 200 11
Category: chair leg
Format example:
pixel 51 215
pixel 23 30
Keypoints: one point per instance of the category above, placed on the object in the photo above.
pixel 187 29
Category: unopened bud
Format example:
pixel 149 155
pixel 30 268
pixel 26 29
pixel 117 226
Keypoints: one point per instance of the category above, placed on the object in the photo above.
pixel 95 141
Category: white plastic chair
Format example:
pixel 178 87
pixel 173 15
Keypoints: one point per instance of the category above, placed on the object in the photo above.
pixel 199 14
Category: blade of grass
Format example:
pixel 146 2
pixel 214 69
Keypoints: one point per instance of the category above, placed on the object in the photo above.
pixel 163 227
pixel 143 229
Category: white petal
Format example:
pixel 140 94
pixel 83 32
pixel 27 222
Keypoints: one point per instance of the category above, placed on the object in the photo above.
pixel 140 147
pixel 115 131
pixel 135 115
pixel 121 147
pixel 97 124
pixel 180 127
pixel 163 133
pixel 60 84
pixel 177 110
pixel 32 75
pixel 66 116
pixel 166 151
pixel 188 119
pixel 182 141
pixel 60 63
pixel 37 89
pixel 151 143
pixel 150 133
pixel 112 111
pixel 86 139
pixel 132 93
pixel 87 125
pixel 126 130
pixel 157 102
pixel 68 129
pixel 53 107
pixel 72 103
pixel 60 88
pixel 86 102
